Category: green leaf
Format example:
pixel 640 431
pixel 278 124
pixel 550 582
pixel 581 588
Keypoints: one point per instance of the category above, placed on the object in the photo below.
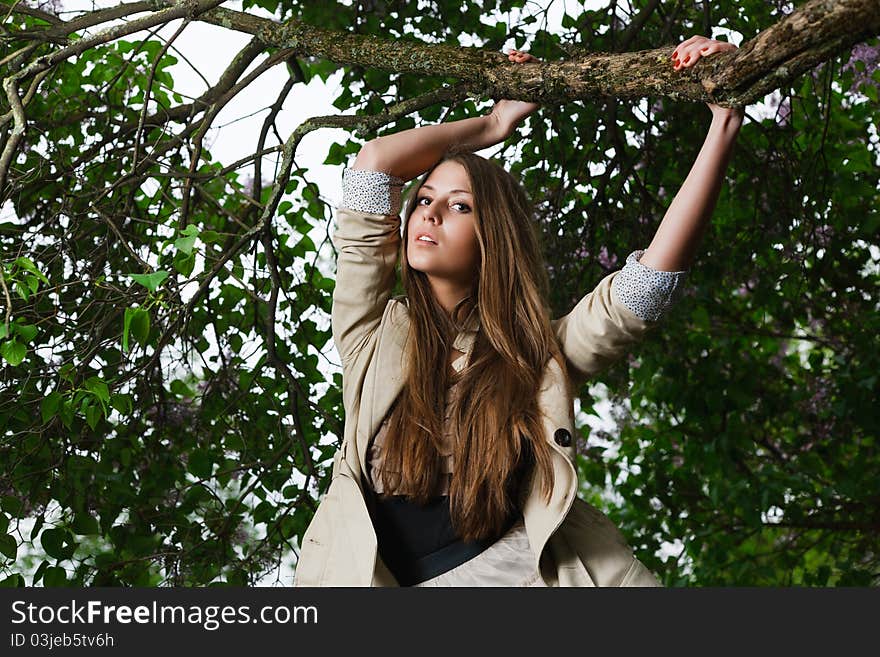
pixel 121 402
pixel 12 581
pixel 336 155
pixel 98 388
pixel 67 372
pixel 140 325
pixel 38 525
pixel 26 332
pixel 54 576
pixel 264 512
pixel 11 505
pixel 93 415
pixel 150 281
pixel 181 389
pixel 66 413
pixel 126 327
pixel 289 526
pixel 200 463
pixel 304 246
pixel 38 574
pixel 141 544
pixel 49 405
pixel 21 290
pixel 8 546
pixel 32 282
pixel 13 351
pixel 136 322
pixel 700 318
pixel 209 236
pixel 184 263
pixel 188 241
pixel 58 543
pixel 85 524
pixel 25 263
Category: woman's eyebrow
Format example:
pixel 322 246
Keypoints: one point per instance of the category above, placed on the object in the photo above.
pixel 453 191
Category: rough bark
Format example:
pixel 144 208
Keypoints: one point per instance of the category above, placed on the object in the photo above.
pixel 808 36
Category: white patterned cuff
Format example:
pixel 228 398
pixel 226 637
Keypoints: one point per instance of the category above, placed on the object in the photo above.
pixel 648 293
pixel 375 192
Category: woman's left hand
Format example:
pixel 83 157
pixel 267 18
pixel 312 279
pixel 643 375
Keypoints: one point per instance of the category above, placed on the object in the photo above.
pixel 688 53
pixel 509 113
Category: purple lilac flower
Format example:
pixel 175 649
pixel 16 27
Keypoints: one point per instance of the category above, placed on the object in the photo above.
pixel 607 261
pixel 870 57
pixel 784 111
pixel 823 235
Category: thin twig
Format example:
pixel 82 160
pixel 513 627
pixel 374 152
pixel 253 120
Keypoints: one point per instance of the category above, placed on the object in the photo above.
pixel 8 299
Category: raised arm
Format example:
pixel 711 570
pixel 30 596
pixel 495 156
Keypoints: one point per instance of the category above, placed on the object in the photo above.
pixel 409 153
pixel 628 303
pixel 367 239
pixel 677 238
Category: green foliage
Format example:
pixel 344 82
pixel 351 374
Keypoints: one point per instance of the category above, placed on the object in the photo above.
pixel 154 437
pixel 151 281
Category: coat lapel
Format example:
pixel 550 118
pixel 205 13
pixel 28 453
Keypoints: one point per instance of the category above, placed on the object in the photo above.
pixel 557 414
pixel 384 378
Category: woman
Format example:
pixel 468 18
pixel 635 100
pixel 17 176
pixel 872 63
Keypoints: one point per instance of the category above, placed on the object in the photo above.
pixel 457 464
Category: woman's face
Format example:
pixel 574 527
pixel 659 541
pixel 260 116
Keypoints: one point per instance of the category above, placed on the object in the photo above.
pixel 445 211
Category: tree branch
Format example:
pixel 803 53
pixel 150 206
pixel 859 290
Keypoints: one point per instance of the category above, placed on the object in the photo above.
pixel 808 36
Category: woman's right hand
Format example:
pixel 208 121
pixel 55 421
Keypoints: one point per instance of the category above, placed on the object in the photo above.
pixel 509 113
pixel 411 152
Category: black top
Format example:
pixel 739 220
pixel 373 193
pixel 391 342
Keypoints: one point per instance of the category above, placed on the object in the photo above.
pixel 417 542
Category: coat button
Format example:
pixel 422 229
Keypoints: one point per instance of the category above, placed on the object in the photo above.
pixel 562 437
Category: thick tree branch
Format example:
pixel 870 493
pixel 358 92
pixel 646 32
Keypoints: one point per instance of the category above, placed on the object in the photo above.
pixel 808 36
pixel 812 34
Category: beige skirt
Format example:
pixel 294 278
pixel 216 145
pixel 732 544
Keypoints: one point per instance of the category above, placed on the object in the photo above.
pixel 507 562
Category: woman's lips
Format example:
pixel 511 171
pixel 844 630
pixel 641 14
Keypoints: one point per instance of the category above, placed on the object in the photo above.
pixel 424 243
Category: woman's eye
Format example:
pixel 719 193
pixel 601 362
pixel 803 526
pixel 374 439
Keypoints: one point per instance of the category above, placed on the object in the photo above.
pixel 465 206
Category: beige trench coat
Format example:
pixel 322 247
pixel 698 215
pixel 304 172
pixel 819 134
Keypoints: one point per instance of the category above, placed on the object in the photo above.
pixel 574 544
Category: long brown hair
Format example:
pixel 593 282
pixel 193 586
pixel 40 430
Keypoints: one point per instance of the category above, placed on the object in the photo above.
pixel 496 426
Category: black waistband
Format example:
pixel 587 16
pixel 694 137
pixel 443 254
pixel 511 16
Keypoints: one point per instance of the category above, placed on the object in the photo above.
pixel 445 559
pixel 417 523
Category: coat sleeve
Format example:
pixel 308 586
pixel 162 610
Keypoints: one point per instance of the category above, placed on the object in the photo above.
pixel 367 239
pixel 614 316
